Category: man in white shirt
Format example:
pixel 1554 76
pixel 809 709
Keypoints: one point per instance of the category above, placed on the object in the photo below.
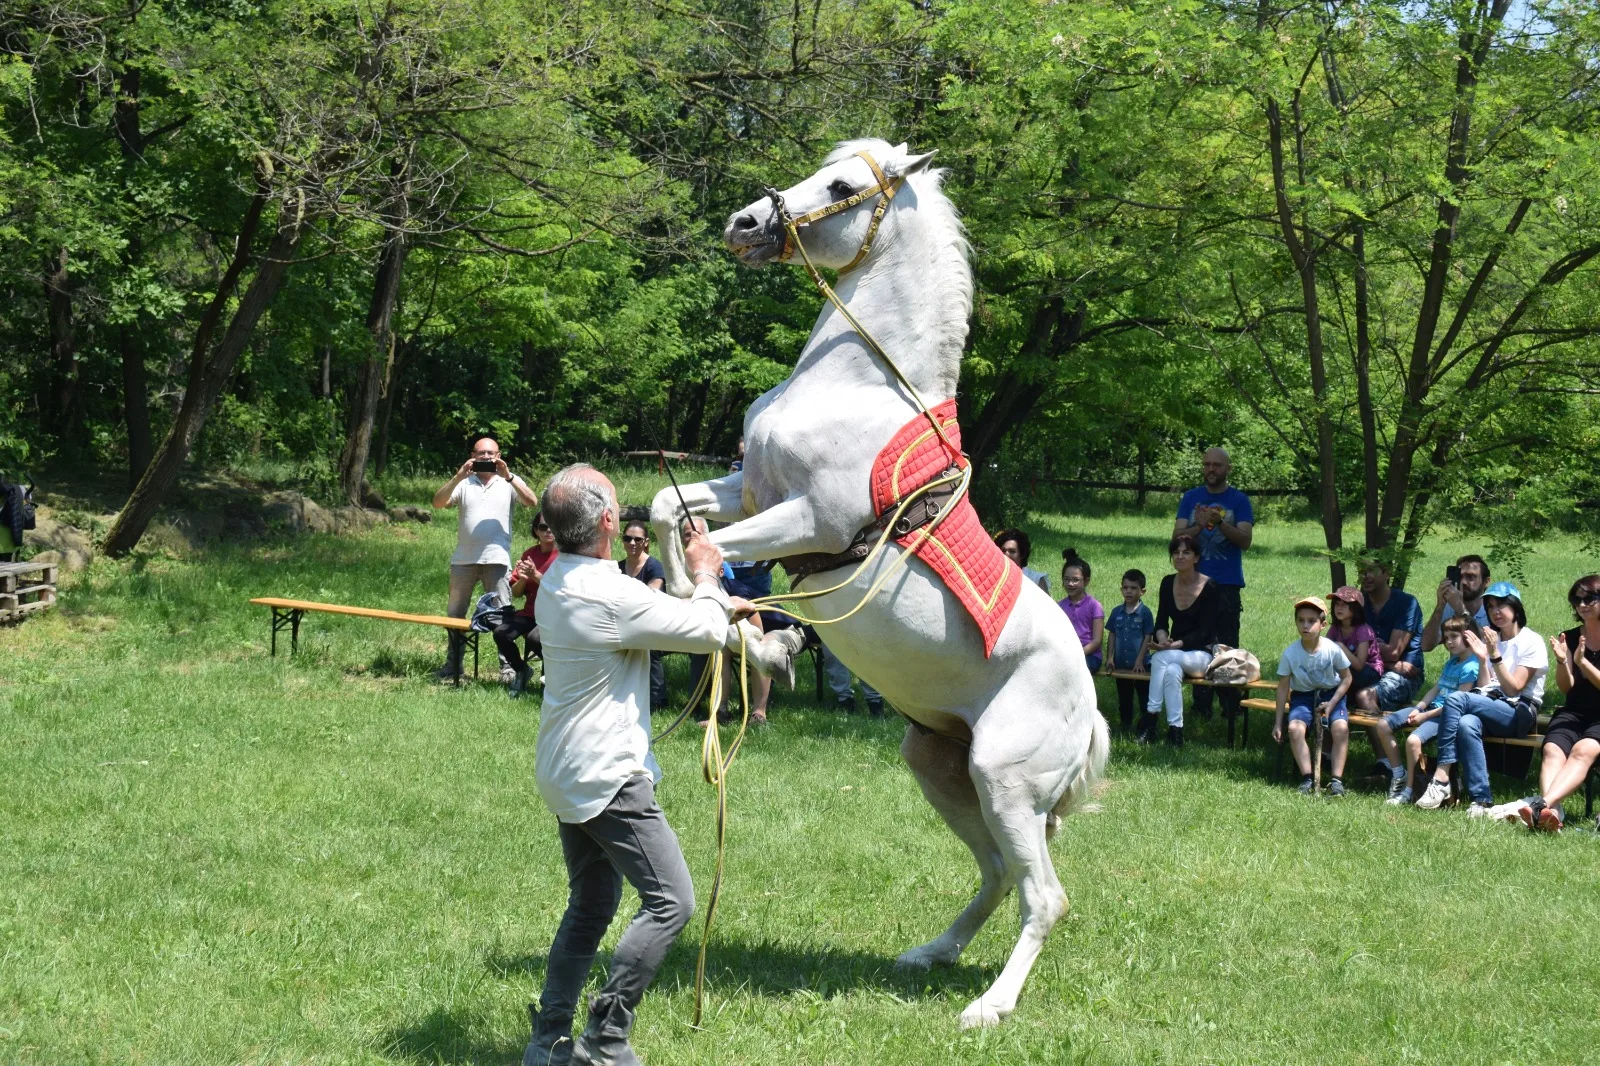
pixel 594 766
pixel 484 500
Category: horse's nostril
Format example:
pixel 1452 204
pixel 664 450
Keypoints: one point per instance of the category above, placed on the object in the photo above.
pixel 745 222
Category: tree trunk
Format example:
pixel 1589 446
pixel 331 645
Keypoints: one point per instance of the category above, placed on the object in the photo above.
pixel 370 384
pixel 135 403
pixel 208 377
pixel 1053 332
pixel 1364 402
pixel 380 447
pixel 63 345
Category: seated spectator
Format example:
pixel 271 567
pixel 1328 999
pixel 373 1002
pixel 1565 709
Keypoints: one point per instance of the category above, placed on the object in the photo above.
pixel 1572 740
pixel 1510 690
pixel 525 577
pixel 751 581
pixel 1017 547
pixel 1460 674
pixel 1451 599
pixel 1351 632
pixel 1396 619
pixel 841 683
pixel 1087 616
pixel 1129 627
pixel 1186 627
pixel 638 563
pixel 1313 676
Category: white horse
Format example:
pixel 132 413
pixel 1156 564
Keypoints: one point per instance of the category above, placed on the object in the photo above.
pixel 1001 745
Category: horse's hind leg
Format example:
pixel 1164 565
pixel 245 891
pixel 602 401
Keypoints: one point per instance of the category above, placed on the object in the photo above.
pixel 940 767
pixel 1018 770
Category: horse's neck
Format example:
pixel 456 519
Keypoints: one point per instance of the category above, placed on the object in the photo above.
pixel 904 300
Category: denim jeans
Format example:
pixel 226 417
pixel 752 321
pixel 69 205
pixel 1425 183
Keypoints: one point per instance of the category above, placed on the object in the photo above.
pixel 1166 679
pixel 629 840
pixel 1467 718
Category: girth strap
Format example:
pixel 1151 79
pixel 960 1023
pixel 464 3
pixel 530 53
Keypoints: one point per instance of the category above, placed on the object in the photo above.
pixel 919 514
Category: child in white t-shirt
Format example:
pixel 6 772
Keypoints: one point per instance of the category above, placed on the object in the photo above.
pixel 1313 677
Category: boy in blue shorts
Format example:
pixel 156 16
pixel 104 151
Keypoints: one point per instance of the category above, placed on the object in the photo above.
pixel 1460 674
pixel 1313 676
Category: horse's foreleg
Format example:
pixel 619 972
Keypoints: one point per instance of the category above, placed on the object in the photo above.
pixel 940 767
pixel 720 500
pixel 786 528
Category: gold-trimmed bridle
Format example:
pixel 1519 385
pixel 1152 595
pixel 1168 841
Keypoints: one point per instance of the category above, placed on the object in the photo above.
pixel 791 226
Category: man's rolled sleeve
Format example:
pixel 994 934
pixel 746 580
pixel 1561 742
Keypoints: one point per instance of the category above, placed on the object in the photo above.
pixel 651 619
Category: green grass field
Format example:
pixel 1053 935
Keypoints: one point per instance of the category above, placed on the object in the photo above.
pixel 211 856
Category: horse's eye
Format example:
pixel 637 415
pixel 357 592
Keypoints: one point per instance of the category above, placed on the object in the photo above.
pixel 840 189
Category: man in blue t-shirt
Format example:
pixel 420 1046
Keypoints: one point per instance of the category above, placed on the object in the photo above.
pixel 1222 518
pixel 1396 617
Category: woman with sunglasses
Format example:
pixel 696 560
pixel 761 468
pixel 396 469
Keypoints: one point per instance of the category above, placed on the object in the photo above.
pixel 1186 627
pixel 637 563
pixel 1513 661
pixel 525 582
pixel 1572 740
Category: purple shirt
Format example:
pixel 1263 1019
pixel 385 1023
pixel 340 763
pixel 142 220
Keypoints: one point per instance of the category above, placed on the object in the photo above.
pixel 1348 641
pixel 1083 613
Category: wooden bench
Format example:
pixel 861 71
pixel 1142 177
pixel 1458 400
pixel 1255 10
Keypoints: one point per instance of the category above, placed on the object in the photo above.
pixel 286 614
pixel 26 588
pixel 1363 721
pixel 1200 682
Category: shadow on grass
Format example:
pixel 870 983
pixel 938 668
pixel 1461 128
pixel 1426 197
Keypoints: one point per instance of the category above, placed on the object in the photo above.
pixel 447 1036
pixel 775 969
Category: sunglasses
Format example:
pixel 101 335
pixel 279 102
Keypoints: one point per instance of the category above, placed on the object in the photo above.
pixel 635 540
pixel 1584 599
pixel 540 527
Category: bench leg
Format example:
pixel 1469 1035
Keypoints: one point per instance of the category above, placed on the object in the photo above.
pixel 286 619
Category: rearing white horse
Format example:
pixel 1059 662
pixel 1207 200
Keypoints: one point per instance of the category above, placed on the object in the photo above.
pixel 1001 744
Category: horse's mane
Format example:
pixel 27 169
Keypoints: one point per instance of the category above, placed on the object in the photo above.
pixel 952 253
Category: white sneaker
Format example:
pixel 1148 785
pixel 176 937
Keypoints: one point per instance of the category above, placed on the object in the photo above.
pixel 1480 810
pixel 1507 812
pixel 1434 796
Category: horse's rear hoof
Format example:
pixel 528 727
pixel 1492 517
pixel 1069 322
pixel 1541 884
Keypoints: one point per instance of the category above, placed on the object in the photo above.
pixel 980 1015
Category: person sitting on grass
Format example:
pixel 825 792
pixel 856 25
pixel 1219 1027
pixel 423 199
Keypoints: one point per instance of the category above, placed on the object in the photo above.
pixel 525 577
pixel 1186 627
pixel 1572 740
pixel 1088 617
pixel 1351 632
pixel 1460 673
pixel 1313 677
pixel 1016 546
pixel 1506 703
pixel 1128 628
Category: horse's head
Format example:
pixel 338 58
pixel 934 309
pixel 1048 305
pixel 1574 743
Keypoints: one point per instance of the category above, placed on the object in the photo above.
pixel 756 233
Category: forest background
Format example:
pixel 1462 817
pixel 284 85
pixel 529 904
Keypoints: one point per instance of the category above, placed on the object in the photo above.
pixel 1354 242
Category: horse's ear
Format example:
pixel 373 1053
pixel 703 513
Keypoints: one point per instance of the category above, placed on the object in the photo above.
pixel 909 165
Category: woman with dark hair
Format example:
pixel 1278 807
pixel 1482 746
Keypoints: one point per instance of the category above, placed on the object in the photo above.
pixel 1017 547
pixel 1186 627
pixel 524 579
pixel 1572 740
pixel 637 563
pixel 1513 661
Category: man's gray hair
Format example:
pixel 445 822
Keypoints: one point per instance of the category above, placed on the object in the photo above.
pixel 572 506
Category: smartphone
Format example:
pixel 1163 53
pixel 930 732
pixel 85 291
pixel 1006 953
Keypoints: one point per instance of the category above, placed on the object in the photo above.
pixel 483 466
pixel 1452 574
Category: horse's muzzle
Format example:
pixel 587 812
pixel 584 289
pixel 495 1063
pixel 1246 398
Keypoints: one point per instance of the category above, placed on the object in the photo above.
pixel 754 241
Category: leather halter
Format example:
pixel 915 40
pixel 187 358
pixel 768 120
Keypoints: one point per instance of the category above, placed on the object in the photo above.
pixel 791 225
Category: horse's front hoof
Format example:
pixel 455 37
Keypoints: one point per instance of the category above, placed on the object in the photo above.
pixel 981 1015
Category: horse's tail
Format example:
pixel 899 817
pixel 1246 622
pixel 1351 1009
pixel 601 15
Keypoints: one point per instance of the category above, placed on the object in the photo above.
pixel 1078 793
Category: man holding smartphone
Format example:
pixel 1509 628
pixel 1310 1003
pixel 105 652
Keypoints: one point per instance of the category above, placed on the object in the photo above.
pixel 1461 592
pixel 484 492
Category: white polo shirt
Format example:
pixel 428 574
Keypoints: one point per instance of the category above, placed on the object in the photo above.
pixel 598 627
pixel 483 524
